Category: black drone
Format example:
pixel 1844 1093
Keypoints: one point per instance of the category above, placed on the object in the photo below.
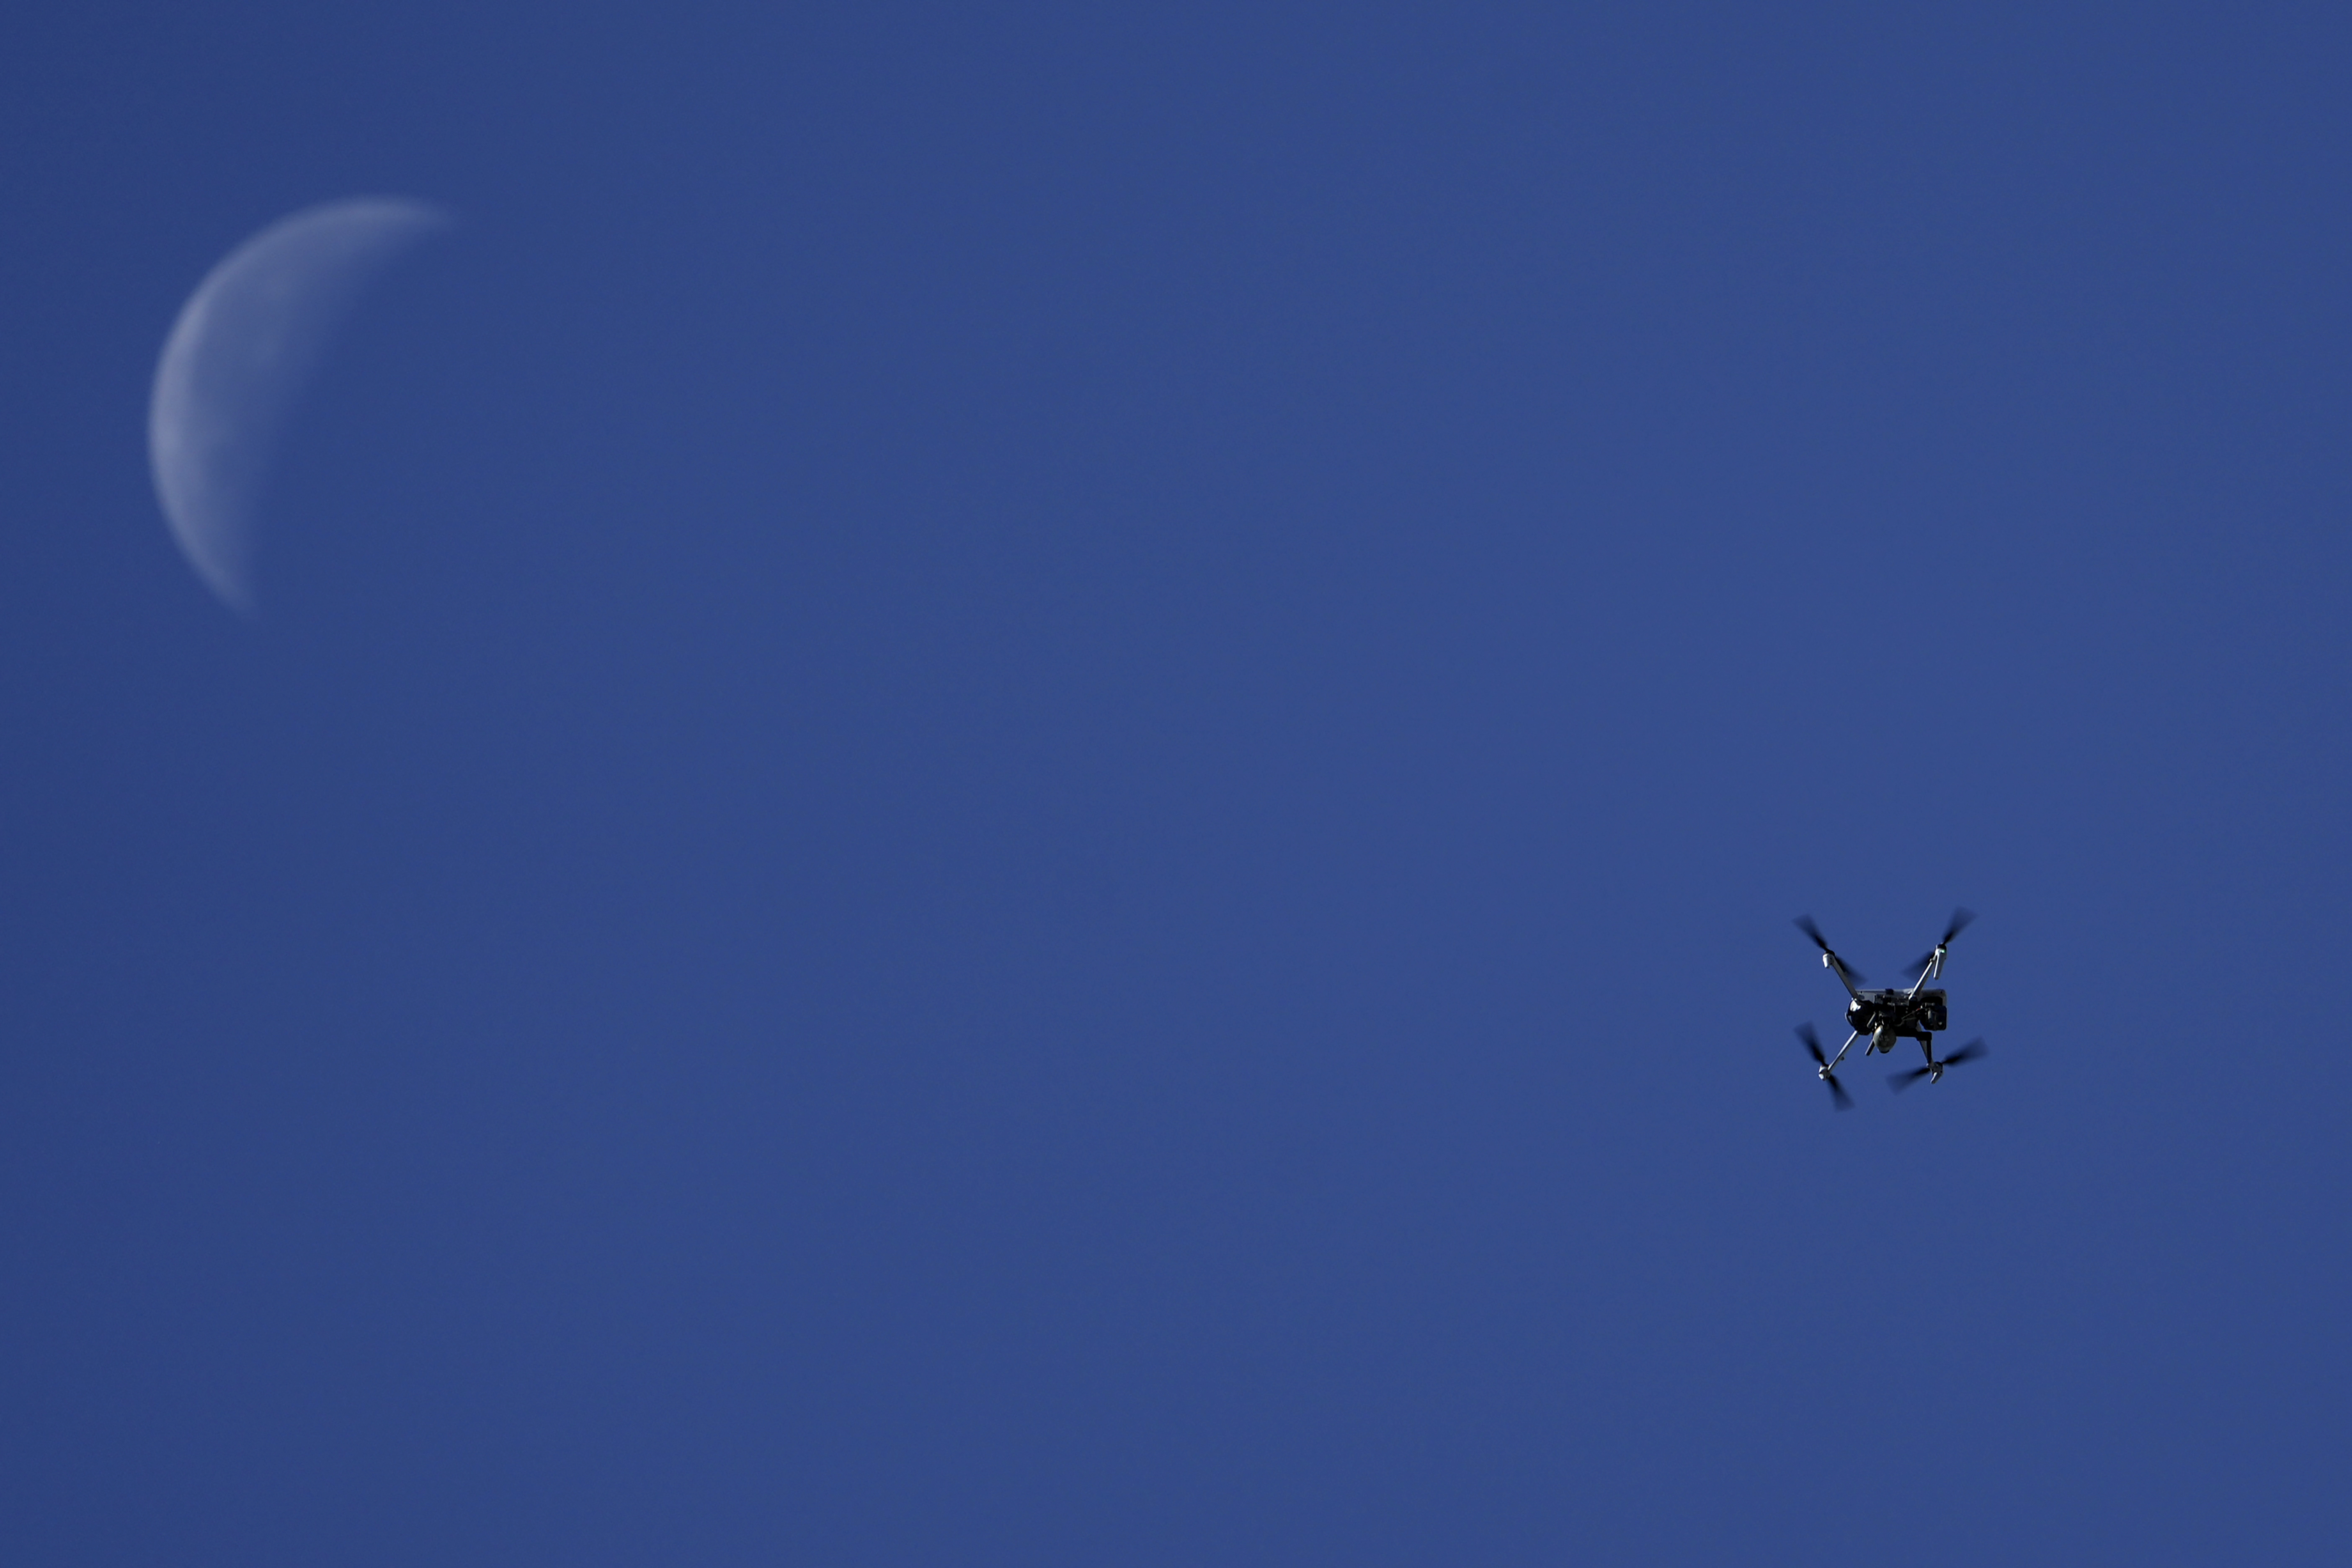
pixel 1888 1016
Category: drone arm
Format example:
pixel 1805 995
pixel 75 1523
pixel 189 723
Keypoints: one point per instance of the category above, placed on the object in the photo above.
pixel 1932 963
pixel 1842 1051
pixel 1934 966
pixel 1831 962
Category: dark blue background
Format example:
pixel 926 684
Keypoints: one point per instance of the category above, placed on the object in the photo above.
pixel 1024 787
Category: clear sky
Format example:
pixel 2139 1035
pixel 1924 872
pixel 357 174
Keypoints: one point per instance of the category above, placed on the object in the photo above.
pixel 1023 786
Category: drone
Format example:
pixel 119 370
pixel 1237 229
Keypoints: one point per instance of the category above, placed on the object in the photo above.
pixel 1888 1016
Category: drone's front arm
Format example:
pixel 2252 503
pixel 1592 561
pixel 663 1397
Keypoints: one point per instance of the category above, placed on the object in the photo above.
pixel 1836 965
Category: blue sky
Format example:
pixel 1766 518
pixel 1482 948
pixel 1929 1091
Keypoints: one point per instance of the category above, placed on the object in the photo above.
pixel 1025 788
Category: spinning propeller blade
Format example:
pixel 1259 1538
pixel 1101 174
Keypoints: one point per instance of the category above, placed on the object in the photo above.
pixel 1899 1082
pixel 1960 918
pixel 1805 924
pixel 1838 1096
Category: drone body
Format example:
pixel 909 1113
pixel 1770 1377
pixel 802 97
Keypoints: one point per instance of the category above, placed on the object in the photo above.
pixel 1888 1016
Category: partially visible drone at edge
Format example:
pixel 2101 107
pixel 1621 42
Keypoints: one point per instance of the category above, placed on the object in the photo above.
pixel 1888 1016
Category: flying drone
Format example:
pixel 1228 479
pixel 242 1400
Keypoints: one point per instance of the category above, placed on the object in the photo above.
pixel 1888 1016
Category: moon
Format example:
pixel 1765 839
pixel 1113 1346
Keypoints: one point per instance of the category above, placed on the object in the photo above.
pixel 239 354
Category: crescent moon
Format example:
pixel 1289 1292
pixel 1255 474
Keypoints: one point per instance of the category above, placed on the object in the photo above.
pixel 238 356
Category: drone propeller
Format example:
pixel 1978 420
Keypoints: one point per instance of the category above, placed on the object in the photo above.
pixel 1805 924
pixel 1838 1096
pixel 1899 1082
pixel 1960 918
